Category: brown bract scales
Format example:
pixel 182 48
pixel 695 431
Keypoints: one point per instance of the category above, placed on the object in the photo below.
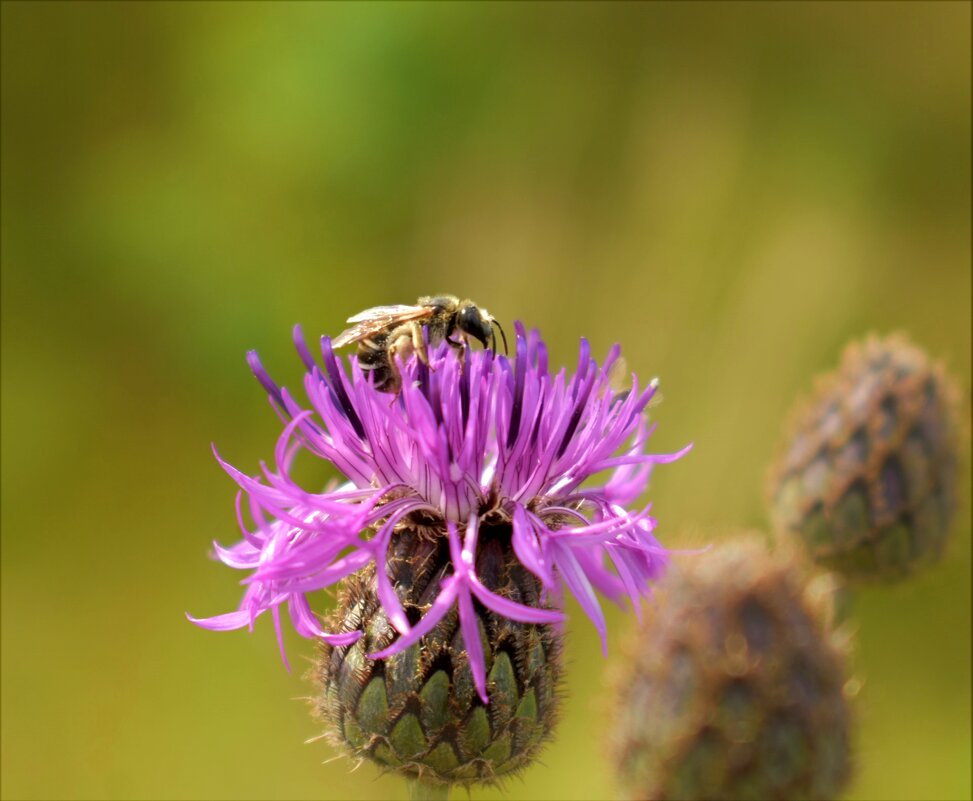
pixel 418 712
pixel 734 687
pixel 867 470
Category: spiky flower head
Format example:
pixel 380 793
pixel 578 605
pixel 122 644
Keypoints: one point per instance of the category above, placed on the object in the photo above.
pixel 868 468
pixel 465 512
pixel 734 685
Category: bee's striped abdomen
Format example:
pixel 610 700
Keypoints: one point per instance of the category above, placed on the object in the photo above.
pixel 373 357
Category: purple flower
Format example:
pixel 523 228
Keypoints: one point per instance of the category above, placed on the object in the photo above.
pixel 494 436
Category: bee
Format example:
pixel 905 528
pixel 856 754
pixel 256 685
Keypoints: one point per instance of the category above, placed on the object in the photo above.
pixel 384 332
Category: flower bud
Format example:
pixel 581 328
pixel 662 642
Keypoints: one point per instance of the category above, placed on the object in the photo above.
pixel 869 466
pixel 418 712
pixel 734 685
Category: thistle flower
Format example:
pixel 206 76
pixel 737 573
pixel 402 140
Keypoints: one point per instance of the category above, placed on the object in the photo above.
pixel 465 513
pixel 867 472
pixel 736 685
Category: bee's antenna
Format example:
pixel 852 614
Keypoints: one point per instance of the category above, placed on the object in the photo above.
pixel 494 322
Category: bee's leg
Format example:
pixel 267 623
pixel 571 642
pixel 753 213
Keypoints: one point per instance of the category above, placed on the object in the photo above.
pixel 461 348
pixel 394 390
pixel 400 346
pixel 419 343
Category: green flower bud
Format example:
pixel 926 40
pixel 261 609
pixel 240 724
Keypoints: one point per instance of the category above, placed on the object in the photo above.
pixel 733 688
pixel 868 470
pixel 417 712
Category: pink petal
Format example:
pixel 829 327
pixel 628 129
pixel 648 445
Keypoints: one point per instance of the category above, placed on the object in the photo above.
pixel 527 548
pixel 227 622
pixel 275 611
pixel 515 611
pixel 580 587
pixel 473 645
pixel 435 613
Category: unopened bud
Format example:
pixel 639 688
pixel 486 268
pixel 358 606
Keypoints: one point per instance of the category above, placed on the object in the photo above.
pixel 868 470
pixel 734 685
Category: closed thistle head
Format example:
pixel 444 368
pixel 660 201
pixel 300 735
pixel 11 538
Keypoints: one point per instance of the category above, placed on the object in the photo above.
pixel 733 688
pixel 418 710
pixel 466 512
pixel 867 471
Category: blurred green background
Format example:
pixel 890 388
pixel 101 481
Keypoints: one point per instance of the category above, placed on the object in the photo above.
pixel 731 191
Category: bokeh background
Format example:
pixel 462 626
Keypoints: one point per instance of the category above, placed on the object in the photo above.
pixel 731 191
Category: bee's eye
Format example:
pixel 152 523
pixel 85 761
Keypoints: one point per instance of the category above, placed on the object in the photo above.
pixel 468 318
pixel 471 322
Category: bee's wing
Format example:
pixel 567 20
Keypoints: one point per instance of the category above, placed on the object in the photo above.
pixel 378 320
pixel 388 314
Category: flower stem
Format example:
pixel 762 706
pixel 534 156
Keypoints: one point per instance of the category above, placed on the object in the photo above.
pixel 423 791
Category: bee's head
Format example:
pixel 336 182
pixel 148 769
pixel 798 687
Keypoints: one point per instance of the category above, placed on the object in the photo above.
pixel 472 323
pixel 476 322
